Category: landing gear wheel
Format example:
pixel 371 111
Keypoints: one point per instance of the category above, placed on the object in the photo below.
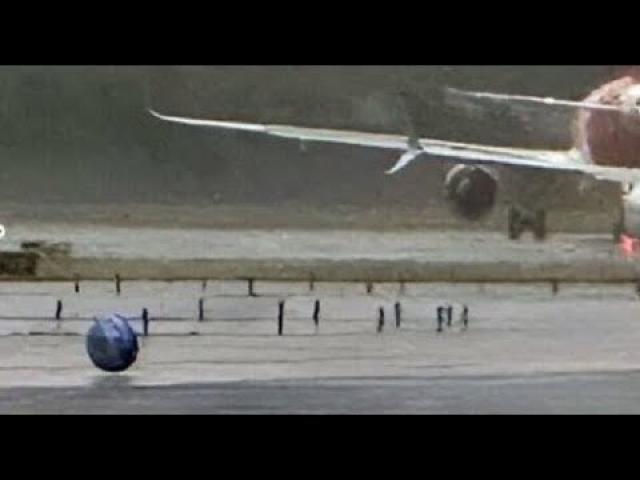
pixel 540 225
pixel 618 229
pixel 515 223
pixel 520 220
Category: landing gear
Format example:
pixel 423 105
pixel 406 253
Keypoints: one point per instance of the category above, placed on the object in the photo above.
pixel 515 224
pixel 519 220
pixel 618 228
pixel 540 225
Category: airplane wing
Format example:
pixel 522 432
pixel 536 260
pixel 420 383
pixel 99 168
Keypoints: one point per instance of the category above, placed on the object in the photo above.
pixel 567 161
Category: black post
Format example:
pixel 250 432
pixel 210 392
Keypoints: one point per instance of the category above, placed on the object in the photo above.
pixel 312 283
pixel 280 317
pixel 449 316
pixel 201 309
pixel 118 284
pixel 58 309
pixel 145 322
pixel 76 284
pixel 251 292
pixel 465 317
pixel 440 319
pixel 316 314
pixel 398 309
pixel 369 288
pixel 380 320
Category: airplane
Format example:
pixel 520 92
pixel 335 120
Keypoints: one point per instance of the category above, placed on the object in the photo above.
pixel 472 184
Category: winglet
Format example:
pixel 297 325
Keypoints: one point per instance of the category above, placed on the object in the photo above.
pixel 414 147
pixel 413 142
pixel 406 158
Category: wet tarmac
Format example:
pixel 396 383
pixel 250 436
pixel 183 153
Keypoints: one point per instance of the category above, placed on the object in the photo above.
pixel 597 393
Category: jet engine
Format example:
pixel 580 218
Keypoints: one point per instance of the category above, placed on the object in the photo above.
pixel 471 190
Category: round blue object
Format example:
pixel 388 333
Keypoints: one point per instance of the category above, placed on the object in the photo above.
pixel 112 344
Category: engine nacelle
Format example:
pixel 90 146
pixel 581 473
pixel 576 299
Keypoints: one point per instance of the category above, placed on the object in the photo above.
pixel 472 190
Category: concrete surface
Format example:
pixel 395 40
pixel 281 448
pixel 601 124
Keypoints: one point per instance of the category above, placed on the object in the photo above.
pixel 514 330
pixel 612 393
pixel 526 351
pixel 100 252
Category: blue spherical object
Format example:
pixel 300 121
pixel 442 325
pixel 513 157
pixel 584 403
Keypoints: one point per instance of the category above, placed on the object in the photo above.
pixel 112 344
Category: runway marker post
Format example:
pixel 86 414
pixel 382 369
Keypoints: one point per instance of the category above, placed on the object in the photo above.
pixel 200 309
pixel 316 314
pixel 380 327
pixel 280 317
pixel 145 322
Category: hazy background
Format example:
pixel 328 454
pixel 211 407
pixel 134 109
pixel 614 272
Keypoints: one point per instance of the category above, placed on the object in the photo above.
pixel 82 136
